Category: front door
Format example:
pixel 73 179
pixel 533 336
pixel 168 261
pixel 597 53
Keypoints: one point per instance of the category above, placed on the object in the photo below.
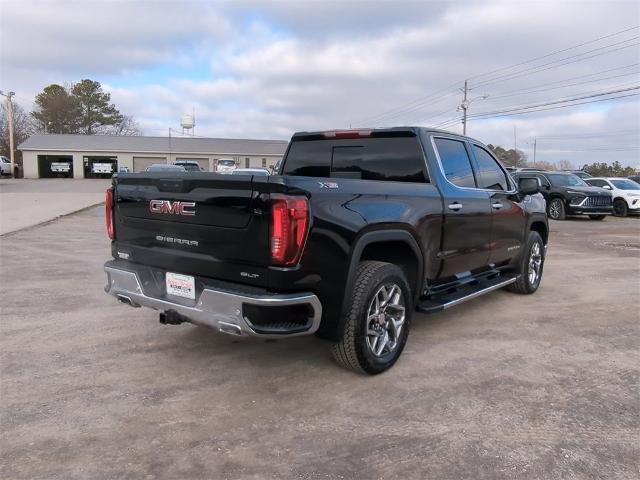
pixel 509 221
pixel 466 238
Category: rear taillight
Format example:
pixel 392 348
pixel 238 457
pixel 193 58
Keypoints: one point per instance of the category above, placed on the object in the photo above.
pixel 289 225
pixel 109 213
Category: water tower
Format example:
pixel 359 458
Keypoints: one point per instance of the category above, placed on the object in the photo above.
pixel 188 122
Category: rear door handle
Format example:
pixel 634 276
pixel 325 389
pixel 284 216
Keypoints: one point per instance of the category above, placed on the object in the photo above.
pixel 455 206
pixel 497 205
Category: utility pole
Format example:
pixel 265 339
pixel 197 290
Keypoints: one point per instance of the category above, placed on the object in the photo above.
pixel 11 146
pixel 535 141
pixel 466 101
pixel 464 106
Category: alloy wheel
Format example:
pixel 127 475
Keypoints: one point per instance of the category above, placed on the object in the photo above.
pixel 554 209
pixel 385 319
pixel 535 263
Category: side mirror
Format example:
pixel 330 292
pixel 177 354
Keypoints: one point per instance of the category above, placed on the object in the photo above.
pixel 606 187
pixel 528 185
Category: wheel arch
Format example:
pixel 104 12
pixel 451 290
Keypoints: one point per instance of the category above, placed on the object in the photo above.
pixel 542 229
pixel 395 246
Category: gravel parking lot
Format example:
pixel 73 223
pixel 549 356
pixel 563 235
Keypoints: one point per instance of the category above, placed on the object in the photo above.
pixel 506 386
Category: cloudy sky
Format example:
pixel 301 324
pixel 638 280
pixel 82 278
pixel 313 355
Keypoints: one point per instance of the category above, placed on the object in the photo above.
pixel 266 69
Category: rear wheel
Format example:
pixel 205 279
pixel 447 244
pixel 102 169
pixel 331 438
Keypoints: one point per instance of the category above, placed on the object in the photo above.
pixel 531 266
pixel 556 209
pixel 620 208
pixel 597 217
pixel 376 323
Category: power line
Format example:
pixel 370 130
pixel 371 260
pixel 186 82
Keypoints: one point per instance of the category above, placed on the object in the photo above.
pixel 523 92
pixel 609 70
pixel 627 84
pixel 555 102
pixel 416 104
pixel 527 105
pixel 592 134
pixel 444 124
pixel 416 107
pixel 551 65
pixel 613 149
pixel 556 52
pixel 411 105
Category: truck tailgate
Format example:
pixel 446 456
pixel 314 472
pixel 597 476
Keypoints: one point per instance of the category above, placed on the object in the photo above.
pixel 196 223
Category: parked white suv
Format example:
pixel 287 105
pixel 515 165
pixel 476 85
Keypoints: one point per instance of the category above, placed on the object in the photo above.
pixel 625 193
pixel 226 166
pixel 5 166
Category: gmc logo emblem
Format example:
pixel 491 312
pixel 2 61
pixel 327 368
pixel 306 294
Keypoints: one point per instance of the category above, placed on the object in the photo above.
pixel 173 208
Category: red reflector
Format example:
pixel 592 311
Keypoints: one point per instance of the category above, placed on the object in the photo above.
pixel 109 213
pixel 289 224
pixel 348 133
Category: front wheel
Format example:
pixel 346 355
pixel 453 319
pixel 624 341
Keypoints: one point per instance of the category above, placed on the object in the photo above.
pixel 376 323
pixel 597 217
pixel 531 266
pixel 620 208
pixel 556 209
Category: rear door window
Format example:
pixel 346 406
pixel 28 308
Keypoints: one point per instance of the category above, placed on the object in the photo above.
pixel 397 159
pixel 596 183
pixel 491 176
pixel 455 162
pixel 543 180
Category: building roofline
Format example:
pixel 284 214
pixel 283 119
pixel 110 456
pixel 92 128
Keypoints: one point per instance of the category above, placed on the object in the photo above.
pixel 156 152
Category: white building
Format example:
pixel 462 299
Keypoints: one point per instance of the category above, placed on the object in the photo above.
pixel 73 156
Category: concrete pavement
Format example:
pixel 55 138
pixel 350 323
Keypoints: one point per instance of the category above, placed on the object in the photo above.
pixel 26 202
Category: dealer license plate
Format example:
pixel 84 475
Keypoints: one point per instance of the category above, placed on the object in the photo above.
pixel 181 285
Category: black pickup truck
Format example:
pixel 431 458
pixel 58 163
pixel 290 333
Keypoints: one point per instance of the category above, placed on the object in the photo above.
pixel 358 230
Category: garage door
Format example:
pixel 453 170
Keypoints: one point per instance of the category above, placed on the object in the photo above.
pixel 203 162
pixel 55 166
pixel 141 163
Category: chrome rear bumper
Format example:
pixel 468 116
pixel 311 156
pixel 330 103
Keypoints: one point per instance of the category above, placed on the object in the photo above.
pixel 218 309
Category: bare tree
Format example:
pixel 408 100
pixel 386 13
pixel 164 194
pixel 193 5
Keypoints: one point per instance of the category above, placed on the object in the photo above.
pixel 546 165
pixel 565 165
pixel 127 127
pixel 23 128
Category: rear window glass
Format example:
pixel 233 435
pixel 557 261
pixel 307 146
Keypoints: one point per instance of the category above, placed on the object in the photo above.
pixel 397 159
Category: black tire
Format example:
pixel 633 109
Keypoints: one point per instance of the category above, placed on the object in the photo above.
pixel 597 217
pixel 556 209
pixel 524 284
pixel 620 208
pixel 354 351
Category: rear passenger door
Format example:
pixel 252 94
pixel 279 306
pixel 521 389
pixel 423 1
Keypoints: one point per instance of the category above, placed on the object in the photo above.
pixel 467 211
pixel 508 218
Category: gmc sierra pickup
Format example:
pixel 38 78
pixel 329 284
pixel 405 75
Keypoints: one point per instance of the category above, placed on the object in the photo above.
pixel 358 230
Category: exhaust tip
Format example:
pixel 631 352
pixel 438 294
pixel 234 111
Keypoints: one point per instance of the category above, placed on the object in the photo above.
pixel 229 328
pixel 127 301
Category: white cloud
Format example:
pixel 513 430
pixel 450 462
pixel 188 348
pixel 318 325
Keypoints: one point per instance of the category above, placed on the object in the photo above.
pixel 268 69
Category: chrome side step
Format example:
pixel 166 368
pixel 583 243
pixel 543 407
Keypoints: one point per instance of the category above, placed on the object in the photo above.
pixel 463 294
